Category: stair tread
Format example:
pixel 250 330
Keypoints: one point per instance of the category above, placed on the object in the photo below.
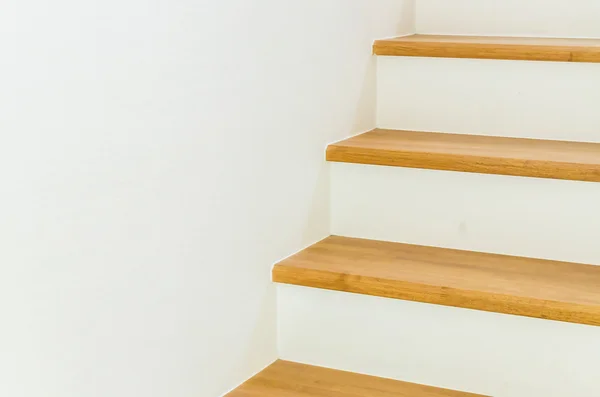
pixel 472 153
pixel 498 283
pixel 491 47
pixel 287 379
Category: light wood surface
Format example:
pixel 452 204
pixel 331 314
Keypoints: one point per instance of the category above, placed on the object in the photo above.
pixel 490 47
pixel 505 284
pixel 472 153
pixel 286 379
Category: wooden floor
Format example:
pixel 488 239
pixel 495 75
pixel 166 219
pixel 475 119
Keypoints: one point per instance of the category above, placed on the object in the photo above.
pixel 472 153
pixel 286 379
pixel 496 283
pixel 489 47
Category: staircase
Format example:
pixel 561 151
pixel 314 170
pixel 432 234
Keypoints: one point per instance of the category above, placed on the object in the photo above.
pixel 465 229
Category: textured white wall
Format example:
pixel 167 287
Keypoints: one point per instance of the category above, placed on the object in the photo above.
pixel 156 159
pixel 537 18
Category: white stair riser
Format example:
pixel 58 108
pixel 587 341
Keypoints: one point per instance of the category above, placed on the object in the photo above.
pixel 540 218
pixel 543 100
pixel 537 18
pixel 487 353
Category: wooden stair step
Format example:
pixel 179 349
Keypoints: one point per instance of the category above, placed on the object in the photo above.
pixel 287 379
pixel 491 47
pixel 496 283
pixel 472 153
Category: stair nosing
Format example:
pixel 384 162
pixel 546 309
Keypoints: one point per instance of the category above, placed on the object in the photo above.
pixel 524 157
pixel 454 46
pixel 376 281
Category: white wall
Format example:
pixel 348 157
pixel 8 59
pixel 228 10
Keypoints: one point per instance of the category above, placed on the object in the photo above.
pixel 156 159
pixel 531 217
pixel 541 100
pixel 469 350
pixel 537 18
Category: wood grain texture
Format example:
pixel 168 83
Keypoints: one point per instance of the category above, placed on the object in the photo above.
pixel 286 379
pixel 490 47
pixel 497 283
pixel 472 153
